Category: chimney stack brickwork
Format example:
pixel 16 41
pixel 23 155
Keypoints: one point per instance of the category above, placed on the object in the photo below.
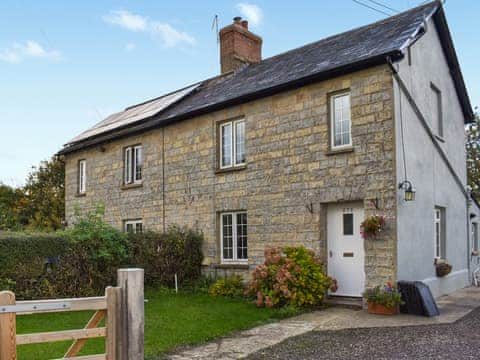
pixel 238 46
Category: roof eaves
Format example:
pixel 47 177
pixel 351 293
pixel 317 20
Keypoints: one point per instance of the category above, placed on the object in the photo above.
pixel 453 63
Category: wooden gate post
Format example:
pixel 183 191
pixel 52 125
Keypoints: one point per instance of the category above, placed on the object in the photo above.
pixel 133 320
pixel 8 330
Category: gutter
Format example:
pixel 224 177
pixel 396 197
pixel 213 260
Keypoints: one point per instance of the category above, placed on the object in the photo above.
pixel 155 122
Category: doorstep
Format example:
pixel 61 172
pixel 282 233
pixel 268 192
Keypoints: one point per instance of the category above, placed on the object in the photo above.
pixel 354 303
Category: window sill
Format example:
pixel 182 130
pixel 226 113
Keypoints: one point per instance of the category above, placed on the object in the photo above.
pixel 80 194
pixel 344 150
pixel 239 266
pixel 132 186
pixel 230 169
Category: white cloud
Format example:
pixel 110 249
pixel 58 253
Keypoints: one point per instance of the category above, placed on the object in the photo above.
pixel 252 12
pixel 130 47
pixel 30 49
pixel 168 34
pixel 127 20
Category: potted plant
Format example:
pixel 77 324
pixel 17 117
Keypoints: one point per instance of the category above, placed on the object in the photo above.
pixel 442 268
pixel 384 300
pixel 372 226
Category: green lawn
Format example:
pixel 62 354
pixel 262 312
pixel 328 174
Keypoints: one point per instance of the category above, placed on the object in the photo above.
pixel 172 320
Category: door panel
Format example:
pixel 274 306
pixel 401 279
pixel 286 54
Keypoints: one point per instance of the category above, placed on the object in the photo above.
pixel 346 254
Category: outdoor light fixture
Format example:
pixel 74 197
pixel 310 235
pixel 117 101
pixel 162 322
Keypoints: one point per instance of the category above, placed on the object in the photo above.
pixel 409 190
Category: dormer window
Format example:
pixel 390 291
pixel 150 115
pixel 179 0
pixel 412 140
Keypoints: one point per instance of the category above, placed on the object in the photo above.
pixel 232 144
pixel 133 164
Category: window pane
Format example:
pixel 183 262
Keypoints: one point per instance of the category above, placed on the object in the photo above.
pixel 341 120
pixel 82 180
pixel 227 233
pixel 128 165
pixel 129 228
pixel 347 224
pixel 242 245
pixel 138 163
pixel 240 142
pixel 138 227
pixel 226 139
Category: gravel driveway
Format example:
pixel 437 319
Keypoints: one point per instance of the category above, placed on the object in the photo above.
pixel 459 340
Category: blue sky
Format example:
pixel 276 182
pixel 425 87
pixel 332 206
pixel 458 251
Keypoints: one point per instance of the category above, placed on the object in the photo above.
pixel 66 64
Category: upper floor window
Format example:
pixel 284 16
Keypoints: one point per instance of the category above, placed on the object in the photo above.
pixel 340 122
pixel 133 226
pixel 133 163
pixel 82 176
pixel 232 144
pixel 233 228
pixel 439 232
pixel 437 112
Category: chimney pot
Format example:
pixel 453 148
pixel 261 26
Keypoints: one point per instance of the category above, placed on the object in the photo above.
pixel 245 24
pixel 237 19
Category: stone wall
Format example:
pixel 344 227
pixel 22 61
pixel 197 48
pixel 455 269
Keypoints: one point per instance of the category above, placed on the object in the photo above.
pixel 290 176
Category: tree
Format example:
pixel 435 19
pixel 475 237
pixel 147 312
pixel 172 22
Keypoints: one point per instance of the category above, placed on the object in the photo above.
pixel 11 204
pixel 40 204
pixel 473 156
pixel 45 194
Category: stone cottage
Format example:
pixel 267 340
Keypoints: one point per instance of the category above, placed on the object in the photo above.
pixel 299 149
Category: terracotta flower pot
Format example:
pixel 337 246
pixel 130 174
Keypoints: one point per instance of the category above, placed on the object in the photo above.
pixel 381 310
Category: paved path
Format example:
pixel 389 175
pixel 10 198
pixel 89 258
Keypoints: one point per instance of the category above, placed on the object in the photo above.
pixel 245 343
pixel 460 340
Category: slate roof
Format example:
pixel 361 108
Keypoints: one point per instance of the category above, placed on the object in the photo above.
pixel 339 54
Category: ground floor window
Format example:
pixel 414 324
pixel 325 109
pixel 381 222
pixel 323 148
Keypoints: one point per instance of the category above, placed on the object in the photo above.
pixel 439 232
pixel 475 236
pixel 133 226
pixel 233 234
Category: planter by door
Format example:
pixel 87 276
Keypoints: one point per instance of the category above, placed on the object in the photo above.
pixel 346 254
pixel 381 310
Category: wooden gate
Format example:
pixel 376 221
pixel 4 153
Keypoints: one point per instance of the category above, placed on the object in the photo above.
pixel 122 307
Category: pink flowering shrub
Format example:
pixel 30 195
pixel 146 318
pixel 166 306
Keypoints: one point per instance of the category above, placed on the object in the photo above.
pixel 290 276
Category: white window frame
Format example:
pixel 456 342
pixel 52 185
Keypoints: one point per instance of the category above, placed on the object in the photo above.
pixel 82 176
pixel 333 120
pixel 438 103
pixel 130 165
pixel 134 224
pixel 475 242
pixel 235 258
pixel 438 219
pixel 233 149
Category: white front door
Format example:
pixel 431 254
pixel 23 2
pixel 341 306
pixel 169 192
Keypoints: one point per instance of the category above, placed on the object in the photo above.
pixel 346 254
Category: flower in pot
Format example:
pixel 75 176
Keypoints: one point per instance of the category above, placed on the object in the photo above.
pixel 372 226
pixel 442 268
pixel 384 300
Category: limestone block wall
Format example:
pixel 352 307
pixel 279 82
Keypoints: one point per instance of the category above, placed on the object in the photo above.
pixel 290 178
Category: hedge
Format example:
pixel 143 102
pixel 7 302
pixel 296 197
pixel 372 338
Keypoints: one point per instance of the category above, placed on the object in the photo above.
pixel 83 260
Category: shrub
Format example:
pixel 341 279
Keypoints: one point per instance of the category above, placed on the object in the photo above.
pixel 83 260
pixel 26 260
pixel 96 250
pixel 162 255
pixel 290 276
pixel 231 286
pixel 386 295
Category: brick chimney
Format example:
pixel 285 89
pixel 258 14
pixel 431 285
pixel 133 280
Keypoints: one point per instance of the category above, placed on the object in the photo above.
pixel 238 46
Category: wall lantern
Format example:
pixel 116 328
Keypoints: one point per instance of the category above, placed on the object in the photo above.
pixel 409 190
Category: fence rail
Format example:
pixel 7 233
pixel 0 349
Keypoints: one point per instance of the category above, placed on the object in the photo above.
pixel 122 307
